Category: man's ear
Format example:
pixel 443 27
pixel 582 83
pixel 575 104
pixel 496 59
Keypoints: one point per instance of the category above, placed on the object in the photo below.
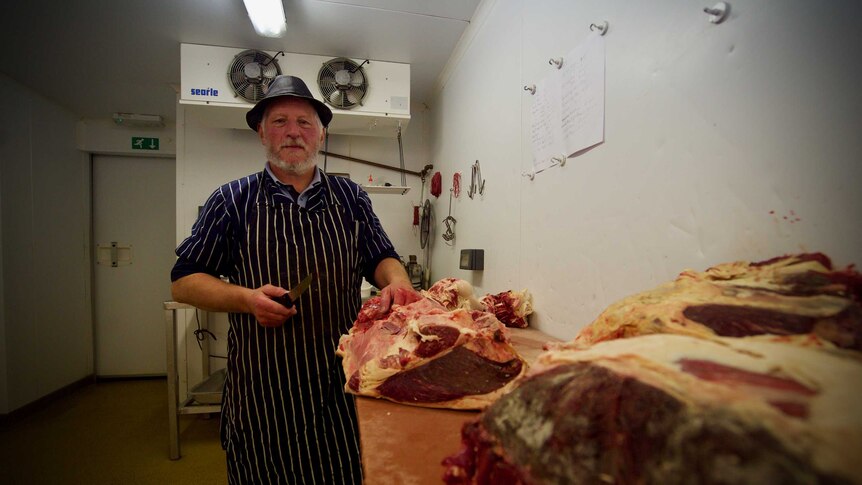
pixel 260 131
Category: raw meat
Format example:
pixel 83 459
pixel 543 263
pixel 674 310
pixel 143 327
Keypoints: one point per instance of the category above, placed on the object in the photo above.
pixel 790 295
pixel 427 354
pixel 510 307
pixel 453 293
pixel 672 409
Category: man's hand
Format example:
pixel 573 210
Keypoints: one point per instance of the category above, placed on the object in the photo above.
pixel 212 294
pixel 395 285
pixel 399 292
pixel 268 312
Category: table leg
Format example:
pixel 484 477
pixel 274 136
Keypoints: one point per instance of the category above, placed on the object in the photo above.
pixel 173 384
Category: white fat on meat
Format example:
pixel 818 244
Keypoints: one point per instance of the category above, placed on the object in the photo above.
pixel 510 307
pixel 453 293
pixel 381 346
pixel 807 396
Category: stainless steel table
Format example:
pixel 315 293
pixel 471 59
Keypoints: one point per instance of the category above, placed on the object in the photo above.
pixel 188 406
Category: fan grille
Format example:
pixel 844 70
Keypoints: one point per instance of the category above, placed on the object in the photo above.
pixel 250 74
pixel 342 83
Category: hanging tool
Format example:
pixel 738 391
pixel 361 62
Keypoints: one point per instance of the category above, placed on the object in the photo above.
pixel 449 221
pixel 422 176
pixel 477 183
pixel 425 225
pixel 456 184
pixel 425 229
pixel 401 156
pixel 436 184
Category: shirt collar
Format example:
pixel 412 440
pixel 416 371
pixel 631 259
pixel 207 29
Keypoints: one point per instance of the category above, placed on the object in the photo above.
pixel 303 196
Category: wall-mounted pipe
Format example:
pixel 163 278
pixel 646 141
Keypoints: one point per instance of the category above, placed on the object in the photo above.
pixel 366 162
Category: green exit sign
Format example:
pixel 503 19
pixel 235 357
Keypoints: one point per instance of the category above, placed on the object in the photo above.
pixel 142 143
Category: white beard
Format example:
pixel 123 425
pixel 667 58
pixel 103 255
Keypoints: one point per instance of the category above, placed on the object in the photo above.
pixel 300 168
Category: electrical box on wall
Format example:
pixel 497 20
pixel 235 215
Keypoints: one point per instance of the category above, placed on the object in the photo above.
pixel 473 259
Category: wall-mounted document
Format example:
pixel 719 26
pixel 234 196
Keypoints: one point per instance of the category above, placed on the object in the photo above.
pixel 568 111
pixel 546 128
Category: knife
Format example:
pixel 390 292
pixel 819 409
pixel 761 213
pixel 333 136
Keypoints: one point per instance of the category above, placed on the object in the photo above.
pixel 288 299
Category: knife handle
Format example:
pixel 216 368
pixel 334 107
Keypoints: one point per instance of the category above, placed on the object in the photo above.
pixel 284 300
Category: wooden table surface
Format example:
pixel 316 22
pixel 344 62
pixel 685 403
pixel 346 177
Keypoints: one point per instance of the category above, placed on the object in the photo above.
pixel 405 445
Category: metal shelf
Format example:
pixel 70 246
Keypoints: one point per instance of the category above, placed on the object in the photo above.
pixel 385 189
pixel 189 406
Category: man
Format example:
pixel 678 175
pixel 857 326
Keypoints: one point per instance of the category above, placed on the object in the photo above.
pixel 285 416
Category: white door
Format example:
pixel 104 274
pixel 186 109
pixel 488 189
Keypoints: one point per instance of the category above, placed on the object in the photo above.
pixel 134 210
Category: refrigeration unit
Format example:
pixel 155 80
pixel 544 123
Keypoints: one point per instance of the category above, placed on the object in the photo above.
pixel 367 97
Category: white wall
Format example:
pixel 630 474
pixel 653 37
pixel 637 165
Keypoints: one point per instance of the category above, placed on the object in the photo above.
pixel 105 137
pixel 46 329
pixel 713 135
pixel 208 157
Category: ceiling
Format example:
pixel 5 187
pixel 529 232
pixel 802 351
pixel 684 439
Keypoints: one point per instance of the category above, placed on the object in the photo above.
pixel 98 57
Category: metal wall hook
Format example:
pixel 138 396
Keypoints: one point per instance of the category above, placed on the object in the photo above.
pixel 477 183
pixel 531 88
pixel 718 12
pixel 561 160
pixel 601 27
pixel 556 61
pixel 529 175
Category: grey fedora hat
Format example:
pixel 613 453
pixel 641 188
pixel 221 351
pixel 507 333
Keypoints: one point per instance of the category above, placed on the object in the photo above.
pixel 284 85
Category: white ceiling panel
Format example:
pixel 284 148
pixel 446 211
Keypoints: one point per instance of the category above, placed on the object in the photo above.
pixel 96 57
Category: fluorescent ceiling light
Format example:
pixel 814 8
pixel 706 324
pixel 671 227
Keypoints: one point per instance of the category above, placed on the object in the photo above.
pixel 267 16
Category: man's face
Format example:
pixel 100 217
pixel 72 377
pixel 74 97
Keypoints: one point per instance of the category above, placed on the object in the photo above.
pixel 291 133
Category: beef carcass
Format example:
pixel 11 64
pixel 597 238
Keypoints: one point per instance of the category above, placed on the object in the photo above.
pixel 672 409
pixel 426 354
pixel 790 295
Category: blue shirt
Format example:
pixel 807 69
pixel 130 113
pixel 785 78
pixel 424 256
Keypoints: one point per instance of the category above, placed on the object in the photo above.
pixel 290 191
pixel 211 247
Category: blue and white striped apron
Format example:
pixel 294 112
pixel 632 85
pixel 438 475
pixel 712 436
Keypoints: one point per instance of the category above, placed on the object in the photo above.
pixel 285 416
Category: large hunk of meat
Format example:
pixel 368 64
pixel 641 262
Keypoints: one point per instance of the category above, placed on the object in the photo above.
pixel 747 373
pixel 430 353
pixel 797 295
pixel 672 409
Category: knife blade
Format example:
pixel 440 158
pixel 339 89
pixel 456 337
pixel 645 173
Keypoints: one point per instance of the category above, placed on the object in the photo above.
pixel 288 299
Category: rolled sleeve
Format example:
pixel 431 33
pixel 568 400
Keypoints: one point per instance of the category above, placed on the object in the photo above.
pixel 207 246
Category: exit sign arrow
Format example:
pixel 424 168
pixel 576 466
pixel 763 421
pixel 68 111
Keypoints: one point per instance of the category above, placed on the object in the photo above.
pixel 144 143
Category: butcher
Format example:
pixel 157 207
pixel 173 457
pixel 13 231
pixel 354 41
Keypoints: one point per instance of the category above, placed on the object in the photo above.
pixel 285 417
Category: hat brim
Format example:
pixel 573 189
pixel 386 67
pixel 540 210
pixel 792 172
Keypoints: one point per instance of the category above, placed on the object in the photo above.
pixel 255 115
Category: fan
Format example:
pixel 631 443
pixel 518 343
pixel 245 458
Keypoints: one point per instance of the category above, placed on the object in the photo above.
pixel 342 83
pixel 251 73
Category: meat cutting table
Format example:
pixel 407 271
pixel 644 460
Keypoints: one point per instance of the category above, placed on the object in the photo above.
pixel 406 444
pixel 400 443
